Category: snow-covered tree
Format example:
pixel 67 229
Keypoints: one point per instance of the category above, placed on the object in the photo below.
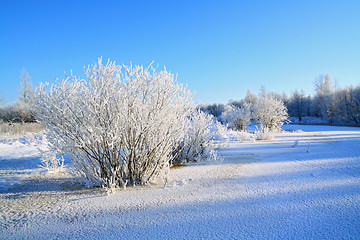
pixel 250 97
pixel 270 113
pixel 2 110
pixel 238 118
pixel 284 98
pixel 214 109
pixel 352 103
pixel 236 103
pixel 119 126
pixel 25 95
pixel 323 89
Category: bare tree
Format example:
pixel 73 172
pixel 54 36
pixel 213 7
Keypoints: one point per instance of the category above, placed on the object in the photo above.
pixel 297 105
pixel 1 101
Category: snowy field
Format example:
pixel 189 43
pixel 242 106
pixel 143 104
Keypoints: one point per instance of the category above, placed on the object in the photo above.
pixel 301 185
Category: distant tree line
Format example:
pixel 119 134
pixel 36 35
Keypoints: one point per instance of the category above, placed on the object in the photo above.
pixel 329 103
pixel 21 110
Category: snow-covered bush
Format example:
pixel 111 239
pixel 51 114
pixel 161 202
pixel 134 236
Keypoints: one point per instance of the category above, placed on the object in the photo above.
pixel 198 138
pixel 238 118
pixel 225 136
pixel 264 134
pixel 243 136
pixel 119 126
pixel 270 113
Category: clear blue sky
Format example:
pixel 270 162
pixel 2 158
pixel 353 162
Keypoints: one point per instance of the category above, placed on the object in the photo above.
pixel 218 48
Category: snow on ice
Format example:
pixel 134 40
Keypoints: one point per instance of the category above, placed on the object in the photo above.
pixel 260 190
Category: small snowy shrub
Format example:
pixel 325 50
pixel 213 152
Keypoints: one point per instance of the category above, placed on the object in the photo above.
pixel 237 118
pixel 221 137
pixel 270 114
pixel 233 135
pixel 119 126
pixel 244 137
pixel 264 134
pixel 198 138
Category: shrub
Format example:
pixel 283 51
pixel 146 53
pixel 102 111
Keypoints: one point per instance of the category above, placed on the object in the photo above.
pixel 264 134
pixel 238 118
pixel 270 113
pixel 198 138
pixel 118 127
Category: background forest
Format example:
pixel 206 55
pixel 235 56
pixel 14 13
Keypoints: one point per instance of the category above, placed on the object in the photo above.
pixel 328 105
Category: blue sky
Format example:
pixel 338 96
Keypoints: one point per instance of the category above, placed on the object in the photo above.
pixel 219 49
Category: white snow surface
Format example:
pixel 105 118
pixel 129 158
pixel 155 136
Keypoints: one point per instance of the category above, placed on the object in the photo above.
pixel 301 185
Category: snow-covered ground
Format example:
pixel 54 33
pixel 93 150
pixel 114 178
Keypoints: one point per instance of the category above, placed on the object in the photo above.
pixel 301 185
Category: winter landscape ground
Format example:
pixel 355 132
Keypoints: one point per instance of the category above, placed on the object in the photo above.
pixel 302 185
